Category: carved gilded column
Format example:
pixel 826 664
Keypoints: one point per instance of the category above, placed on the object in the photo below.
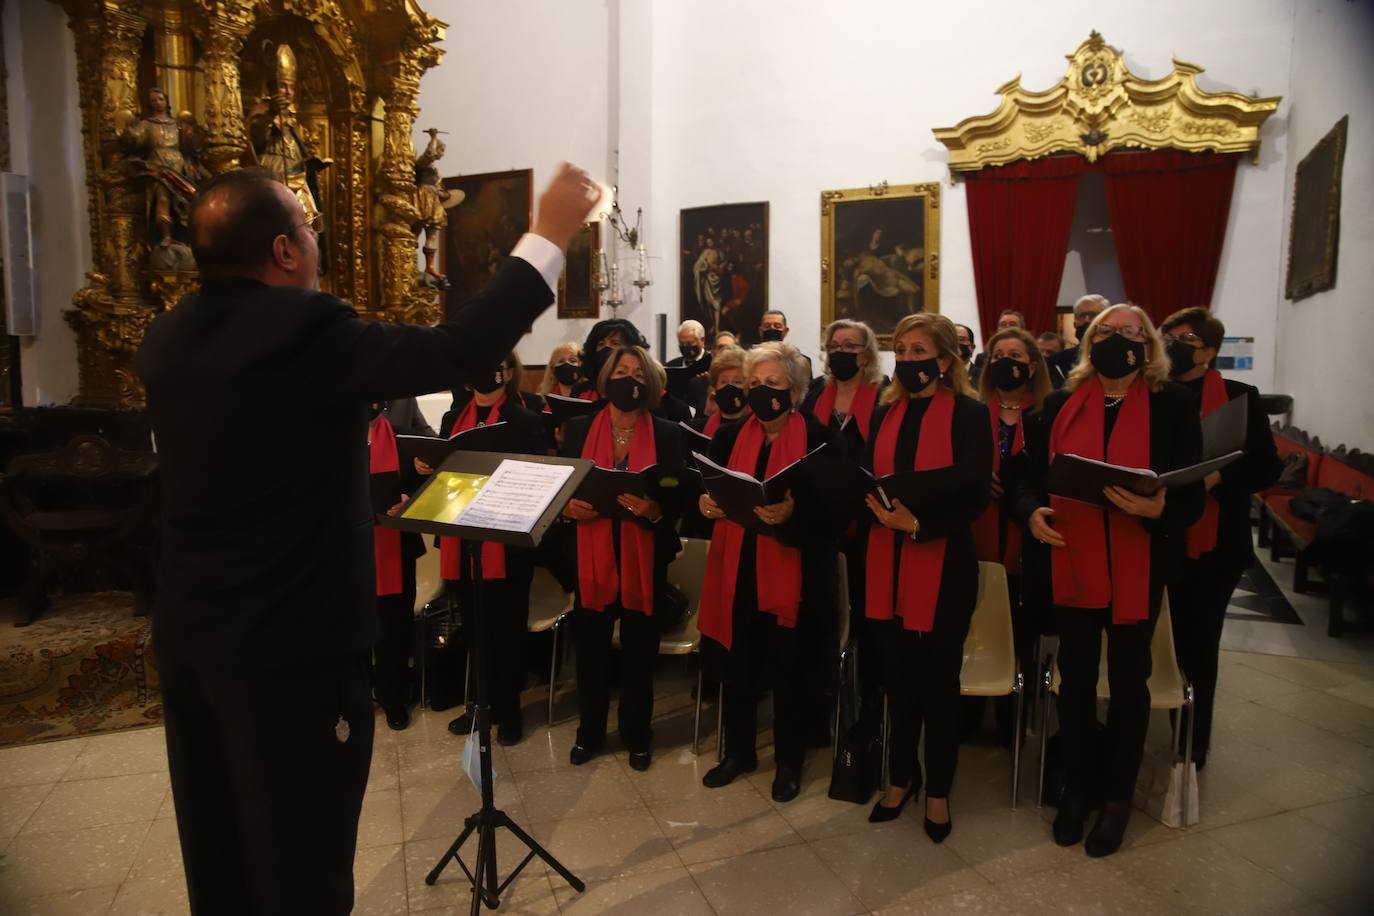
pixel 227 26
pixel 172 60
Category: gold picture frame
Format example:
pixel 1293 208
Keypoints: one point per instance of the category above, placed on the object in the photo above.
pixel 577 294
pixel 880 254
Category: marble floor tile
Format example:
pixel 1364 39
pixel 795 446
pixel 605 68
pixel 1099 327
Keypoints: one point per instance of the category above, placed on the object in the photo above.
pixel 1001 845
pixel 384 772
pixel 17 805
pixel 125 753
pixel 1309 672
pixel 432 811
pixel 161 896
pixel 530 893
pixel 380 823
pixel 607 846
pixel 669 892
pixel 1199 875
pixel 160 853
pixel 93 901
pixel 719 823
pixel 168 808
pixel 1323 709
pixel 99 802
pixel 1361 692
pixel 1300 852
pixel 792 879
pixel 50 863
pixel 675 773
pixel 896 863
pixel 1352 819
pixel 420 762
pixel 38 764
pixel 1094 888
pixel 544 749
pixel 379 881
pixel 596 787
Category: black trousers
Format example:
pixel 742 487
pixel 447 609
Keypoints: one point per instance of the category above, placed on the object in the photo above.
pixel 505 619
pixel 391 671
pixel 921 677
pixel 762 651
pixel 267 796
pixel 1128 712
pixel 1197 608
pixel 639 634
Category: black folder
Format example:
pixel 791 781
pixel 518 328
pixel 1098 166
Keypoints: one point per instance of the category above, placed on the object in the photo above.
pixel 1224 429
pixel 604 485
pixel 679 377
pixel 562 409
pixel 693 440
pixel 386 491
pixel 738 493
pixel 1083 479
pixel 494 437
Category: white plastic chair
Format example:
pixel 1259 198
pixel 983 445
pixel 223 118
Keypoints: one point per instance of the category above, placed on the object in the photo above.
pixel 1169 689
pixel 429 585
pixel 549 607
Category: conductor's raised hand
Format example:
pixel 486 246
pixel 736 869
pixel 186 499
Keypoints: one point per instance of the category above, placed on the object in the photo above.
pixel 579 510
pixel 565 205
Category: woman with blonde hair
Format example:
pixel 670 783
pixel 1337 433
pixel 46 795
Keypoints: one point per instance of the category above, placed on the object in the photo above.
pixel 1109 567
pixel 726 403
pixel 921 567
pixel 563 370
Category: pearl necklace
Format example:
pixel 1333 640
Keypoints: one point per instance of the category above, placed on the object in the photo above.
pixel 1112 402
pixel 1009 406
pixel 622 436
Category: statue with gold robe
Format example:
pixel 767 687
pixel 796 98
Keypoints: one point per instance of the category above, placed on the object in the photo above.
pixel 162 150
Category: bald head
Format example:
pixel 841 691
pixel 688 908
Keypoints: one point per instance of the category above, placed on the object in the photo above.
pixel 239 221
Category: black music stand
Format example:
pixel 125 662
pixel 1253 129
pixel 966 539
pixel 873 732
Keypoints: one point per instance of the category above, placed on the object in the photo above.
pixel 432 511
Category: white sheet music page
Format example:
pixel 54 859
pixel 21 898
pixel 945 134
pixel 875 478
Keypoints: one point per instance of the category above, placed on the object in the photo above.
pixel 515 496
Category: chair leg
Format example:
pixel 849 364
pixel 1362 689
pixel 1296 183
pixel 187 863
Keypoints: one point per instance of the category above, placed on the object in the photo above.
pixel 553 670
pixel 1299 570
pixel 1017 740
pixel 1337 586
pixel 1189 699
pixel 720 722
pixel 696 716
pixel 839 700
pixel 1045 680
pixel 887 730
pixel 1264 534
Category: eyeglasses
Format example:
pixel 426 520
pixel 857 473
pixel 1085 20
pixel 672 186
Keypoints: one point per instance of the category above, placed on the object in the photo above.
pixel 315 225
pixel 849 347
pixel 1130 332
pixel 1189 338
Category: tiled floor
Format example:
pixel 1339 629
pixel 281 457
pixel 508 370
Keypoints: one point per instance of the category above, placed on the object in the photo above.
pixel 1287 820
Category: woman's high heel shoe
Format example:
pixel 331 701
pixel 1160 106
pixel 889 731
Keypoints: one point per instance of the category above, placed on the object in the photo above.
pixel 938 833
pixel 881 813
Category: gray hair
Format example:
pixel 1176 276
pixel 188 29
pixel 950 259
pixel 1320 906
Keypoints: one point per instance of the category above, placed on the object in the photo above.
pixel 696 327
pixel 1091 298
pixel 873 372
pixel 793 363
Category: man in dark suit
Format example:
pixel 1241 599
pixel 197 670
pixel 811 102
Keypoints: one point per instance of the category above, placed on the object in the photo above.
pixel 1084 311
pixel 691 340
pixel 265 614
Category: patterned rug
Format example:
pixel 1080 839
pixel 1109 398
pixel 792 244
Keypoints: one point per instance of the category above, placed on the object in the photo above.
pixel 85 666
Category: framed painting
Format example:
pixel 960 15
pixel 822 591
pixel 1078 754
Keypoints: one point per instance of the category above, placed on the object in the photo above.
pixel 577 296
pixel 497 209
pixel 723 276
pixel 1314 230
pixel 880 255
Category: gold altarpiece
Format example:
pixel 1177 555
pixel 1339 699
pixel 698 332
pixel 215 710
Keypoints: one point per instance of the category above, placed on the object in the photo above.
pixel 359 66
pixel 1100 106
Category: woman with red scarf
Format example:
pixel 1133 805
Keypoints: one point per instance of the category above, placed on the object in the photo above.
pixel 506 571
pixel 1218 544
pixel 622 566
pixel 1013 384
pixel 394 554
pixel 725 404
pixel 921 567
pixel 1109 567
pixel 764 593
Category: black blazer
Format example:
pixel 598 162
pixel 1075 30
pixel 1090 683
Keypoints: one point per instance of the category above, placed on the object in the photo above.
pixel 267 525
pixel 527 424
pixel 1175 442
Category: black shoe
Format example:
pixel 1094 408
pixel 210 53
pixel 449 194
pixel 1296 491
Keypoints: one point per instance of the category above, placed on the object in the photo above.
pixel 1109 831
pixel 397 717
pixel 786 784
pixel 881 813
pixel 509 733
pixel 938 833
pixel 1200 760
pixel 640 760
pixel 461 726
pixel 1068 823
pixel 580 755
pixel 725 772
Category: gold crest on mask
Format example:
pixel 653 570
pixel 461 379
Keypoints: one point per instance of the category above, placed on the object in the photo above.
pixel 1130 358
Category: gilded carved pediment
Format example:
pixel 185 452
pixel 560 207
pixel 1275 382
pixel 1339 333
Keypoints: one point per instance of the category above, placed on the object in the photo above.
pixel 1100 106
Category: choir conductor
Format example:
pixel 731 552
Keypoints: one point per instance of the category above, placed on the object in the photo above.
pixel 265 617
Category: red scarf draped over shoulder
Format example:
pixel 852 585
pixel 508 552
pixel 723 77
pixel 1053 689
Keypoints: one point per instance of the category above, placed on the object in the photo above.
pixel 922 562
pixel 777 569
pixel 450 551
pixel 861 408
pixel 987 531
pixel 1086 573
pixel 599 582
pixel 712 425
pixel 386 542
pixel 1202 535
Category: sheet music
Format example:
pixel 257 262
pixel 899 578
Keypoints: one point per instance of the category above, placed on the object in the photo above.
pixel 515 496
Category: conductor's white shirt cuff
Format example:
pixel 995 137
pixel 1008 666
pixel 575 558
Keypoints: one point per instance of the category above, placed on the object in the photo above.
pixel 543 255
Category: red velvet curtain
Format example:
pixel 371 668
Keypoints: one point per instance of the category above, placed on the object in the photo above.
pixel 1169 211
pixel 1020 216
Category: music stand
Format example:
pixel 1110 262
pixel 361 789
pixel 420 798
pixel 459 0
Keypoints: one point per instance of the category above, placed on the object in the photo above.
pixel 435 509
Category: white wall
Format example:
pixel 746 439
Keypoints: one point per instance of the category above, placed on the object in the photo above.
pixel 45 144
pixel 757 100
pixel 1323 353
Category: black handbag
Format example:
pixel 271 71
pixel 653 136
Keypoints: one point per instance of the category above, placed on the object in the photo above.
pixel 443 657
pixel 858 764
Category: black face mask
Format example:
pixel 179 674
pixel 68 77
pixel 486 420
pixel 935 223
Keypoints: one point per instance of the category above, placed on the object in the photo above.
pixel 770 334
pixel 1117 357
pixel 1081 330
pixel 489 384
pixel 690 354
pixel 730 399
pixel 916 374
pixel 769 403
pixel 966 352
pixel 591 366
pixel 1009 374
pixel 626 393
pixel 566 373
pixel 1180 358
pixel 844 366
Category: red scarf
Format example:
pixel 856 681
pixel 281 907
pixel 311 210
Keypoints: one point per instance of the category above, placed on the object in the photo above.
pixel 1202 534
pixel 712 425
pixel 599 582
pixel 1086 574
pixel 860 409
pixel 922 563
pixel 987 530
pixel 778 570
pixel 386 542
pixel 450 553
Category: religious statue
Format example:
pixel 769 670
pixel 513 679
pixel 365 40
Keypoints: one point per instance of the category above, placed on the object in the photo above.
pixel 164 151
pixel 432 199
pixel 278 147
